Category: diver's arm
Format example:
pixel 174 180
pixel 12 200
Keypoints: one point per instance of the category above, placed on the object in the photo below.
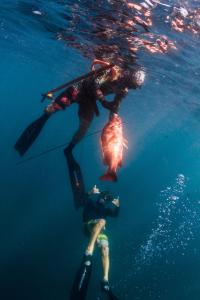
pixel 118 99
pixel 114 105
pixel 103 63
pixel 106 104
pixel 99 62
pixel 112 208
pixel 100 95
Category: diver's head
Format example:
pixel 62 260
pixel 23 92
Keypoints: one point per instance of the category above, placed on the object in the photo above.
pixel 134 78
pixel 105 196
pixel 181 12
pixel 138 77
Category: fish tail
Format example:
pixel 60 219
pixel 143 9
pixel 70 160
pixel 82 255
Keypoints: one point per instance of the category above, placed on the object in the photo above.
pixel 109 176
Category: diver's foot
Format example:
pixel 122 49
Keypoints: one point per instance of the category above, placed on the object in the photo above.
pixel 105 286
pixel 87 259
pixel 68 150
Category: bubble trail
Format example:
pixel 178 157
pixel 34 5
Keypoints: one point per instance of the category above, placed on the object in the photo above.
pixel 175 224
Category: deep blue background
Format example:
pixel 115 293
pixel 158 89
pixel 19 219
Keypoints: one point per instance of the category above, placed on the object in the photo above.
pixel 41 234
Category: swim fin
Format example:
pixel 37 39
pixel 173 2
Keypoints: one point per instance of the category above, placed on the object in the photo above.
pixel 112 296
pixel 76 179
pixel 106 289
pixel 82 279
pixel 30 134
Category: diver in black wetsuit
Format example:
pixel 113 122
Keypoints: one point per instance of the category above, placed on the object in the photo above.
pixel 97 206
pixel 86 93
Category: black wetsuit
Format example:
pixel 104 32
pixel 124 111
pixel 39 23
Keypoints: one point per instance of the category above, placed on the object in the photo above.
pixel 95 209
pixel 90 90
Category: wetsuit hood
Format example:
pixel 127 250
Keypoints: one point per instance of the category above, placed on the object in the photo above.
pixel 133 78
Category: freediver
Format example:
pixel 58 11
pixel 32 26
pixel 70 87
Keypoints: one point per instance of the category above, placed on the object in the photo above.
pixel 115 80
pixel 97 206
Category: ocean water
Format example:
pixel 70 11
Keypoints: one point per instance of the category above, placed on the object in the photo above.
pixel 154 243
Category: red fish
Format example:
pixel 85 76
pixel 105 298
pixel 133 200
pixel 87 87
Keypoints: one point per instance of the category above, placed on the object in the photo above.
pixel 112 144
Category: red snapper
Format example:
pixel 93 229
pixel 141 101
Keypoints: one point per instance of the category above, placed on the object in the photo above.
pixel 112 145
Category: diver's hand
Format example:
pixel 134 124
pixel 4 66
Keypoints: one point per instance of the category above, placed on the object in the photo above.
pixel 116 202
pixel 94 190
pixel 110 105
pixel 100 63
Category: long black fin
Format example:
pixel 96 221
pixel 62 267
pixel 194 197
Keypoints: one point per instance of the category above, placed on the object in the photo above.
pixel 76 179
pixel 111 296
pixel 30 134
pixel 107 296
pixel 81 281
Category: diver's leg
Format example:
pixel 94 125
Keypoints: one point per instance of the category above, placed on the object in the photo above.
pixel 105 261
pixel 85 120
pixel 63 100
pixel 79 134
pixel 31 133
pixel 103 243
pixel 94 234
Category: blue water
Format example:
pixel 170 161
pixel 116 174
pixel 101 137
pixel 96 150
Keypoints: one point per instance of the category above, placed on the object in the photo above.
pixel 155 241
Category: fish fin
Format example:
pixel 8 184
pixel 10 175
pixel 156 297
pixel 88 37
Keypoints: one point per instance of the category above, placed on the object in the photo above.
pixel 109 176
pixel 125 143
pixel 125 146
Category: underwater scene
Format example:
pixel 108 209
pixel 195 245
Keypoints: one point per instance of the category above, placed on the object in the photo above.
pixel 101 199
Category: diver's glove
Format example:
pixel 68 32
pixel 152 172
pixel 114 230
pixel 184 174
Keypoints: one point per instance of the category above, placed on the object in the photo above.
pixel 110 105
